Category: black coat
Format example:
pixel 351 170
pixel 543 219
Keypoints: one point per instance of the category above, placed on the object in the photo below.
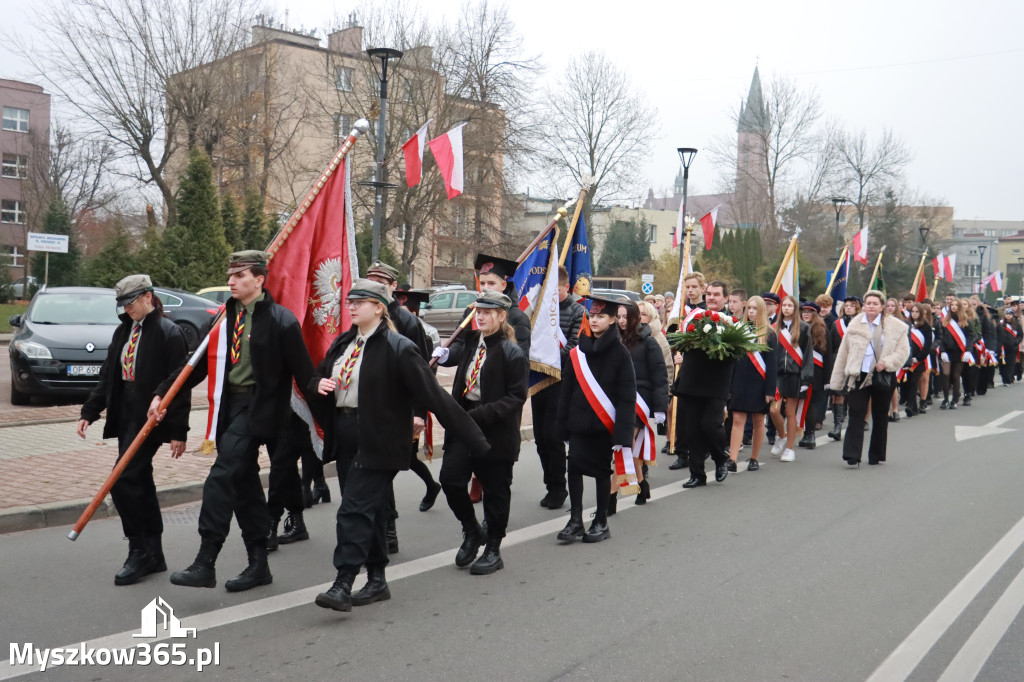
pixel 502 391
pixel 162 351
pixel 393 378
pixel 786 363
pixel 278 354
pixel 649 370
pixel 919 354
pixel 570 319
pixel 988 331
pixel 1009 338
pixel 952 348
pixel 408 325
pixel 613 369
pixel 749 390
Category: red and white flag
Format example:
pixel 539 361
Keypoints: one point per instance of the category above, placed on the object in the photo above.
pixel 789 283
pixel 860 246
pixel 950 269
pixel 313 262
pixel 939 266
pixel 447 151
pixel 413 151
pixel 707 223
pixel 995 280
pixel 677 235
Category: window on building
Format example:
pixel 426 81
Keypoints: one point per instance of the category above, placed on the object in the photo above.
pixel 342 126
pixel 11 256
pixel 401 232
pixel 12 211
pixel 652 236
pixel 16 119
pixel 343 78
pixel 15 166
pixel 990 233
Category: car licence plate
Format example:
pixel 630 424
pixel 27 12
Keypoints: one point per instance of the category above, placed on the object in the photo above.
pixel 83 370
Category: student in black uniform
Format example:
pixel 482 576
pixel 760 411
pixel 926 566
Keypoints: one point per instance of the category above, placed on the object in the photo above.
pixel 370 381
pixel 753 386
pixel 795 358
pixel 490 384
pixel 920 350
pixel 810 312
pixel 836 332
pixel 955 342
pixel 1009 342
pixel 602 364
pixel 266 353
pixel 145 349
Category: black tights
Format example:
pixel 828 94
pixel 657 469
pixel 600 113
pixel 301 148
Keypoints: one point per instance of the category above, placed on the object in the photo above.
pixel 576 494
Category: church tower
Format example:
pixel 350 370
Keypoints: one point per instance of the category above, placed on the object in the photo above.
pixel 749 157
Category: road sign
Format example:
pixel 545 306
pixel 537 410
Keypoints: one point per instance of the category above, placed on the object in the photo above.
pixel 53 243
pixel 647 278
pixel 647 287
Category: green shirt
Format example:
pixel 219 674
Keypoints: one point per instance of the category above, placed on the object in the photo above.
pixel 241 373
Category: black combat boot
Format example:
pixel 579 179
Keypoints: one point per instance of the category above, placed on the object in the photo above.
pixel 392 536
pixel 573 530
pixel 256 573
pixel 490 561
pixel 139 563
pixel 808 441
pixel 154 542
pixel 294 529
pixel 472 537
pixel 339 597
pixel 201 572
pixel 272 538
pixel 598 530
pixel 375 589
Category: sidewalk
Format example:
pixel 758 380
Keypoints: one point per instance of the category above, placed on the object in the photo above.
pixel 49 474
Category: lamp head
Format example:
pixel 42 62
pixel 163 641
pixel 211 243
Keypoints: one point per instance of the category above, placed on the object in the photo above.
pixel 686 155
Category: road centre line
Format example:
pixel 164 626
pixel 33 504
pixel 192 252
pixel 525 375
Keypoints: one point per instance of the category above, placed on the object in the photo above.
pixel 911 651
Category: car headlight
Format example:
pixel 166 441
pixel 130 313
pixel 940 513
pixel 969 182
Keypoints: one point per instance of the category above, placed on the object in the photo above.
pixel 33 350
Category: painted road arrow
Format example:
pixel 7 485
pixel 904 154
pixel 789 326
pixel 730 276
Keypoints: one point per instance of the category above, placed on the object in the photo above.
pixel 990 429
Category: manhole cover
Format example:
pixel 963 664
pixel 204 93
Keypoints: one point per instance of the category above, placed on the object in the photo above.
pixel 181 517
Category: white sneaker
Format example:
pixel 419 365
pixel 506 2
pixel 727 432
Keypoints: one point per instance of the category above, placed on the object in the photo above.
pixel 788 456
pixel 779 446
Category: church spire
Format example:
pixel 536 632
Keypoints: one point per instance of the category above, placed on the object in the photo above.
pixel 752 113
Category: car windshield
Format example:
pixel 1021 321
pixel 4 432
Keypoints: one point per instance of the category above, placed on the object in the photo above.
pixel 84 308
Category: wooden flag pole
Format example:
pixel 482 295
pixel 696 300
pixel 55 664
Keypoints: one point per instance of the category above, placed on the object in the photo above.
pixel 674 405
pixel 361 126
pixel 935 288
pixel 878 263
pixel 920 271
pixel 575 219
pixel 782 267
pixel 842 258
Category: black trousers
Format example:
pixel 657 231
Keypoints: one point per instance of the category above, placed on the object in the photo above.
pixel 284 491
pixel 1006 368
pixel 857 402
pixel 703 431
pixel 346 444
pixel 909 389
pixel 550 447
pixel 362 519
pixel 495 477
pixel 134 493
pixel 233 486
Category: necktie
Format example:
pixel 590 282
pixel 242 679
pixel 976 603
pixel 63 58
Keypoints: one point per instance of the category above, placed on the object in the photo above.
pixel 475 374
pixel 129 356
pixel 236 342
pixel 345 378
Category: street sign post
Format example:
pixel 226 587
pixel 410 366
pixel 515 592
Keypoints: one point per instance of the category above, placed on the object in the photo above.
pixel 49 243
pixel 647 283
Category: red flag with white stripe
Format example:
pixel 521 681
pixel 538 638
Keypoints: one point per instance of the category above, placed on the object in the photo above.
pixel 413 151
pixel 860 246
pixel 447 151
pixel 707 223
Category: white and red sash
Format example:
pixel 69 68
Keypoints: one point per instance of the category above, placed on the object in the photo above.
pixel 957 333
pixel 216 367
pixel 758 362
pixel 841 327
pixel 819 359
pixel 787 343
pixel 643 445
pixel 601 404
pixel 917 336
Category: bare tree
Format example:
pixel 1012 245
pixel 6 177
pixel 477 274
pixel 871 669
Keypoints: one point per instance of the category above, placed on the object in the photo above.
pixel 866 172
pixel 112 61
pixel 597 124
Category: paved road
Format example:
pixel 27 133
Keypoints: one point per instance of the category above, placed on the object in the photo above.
pixel 805 571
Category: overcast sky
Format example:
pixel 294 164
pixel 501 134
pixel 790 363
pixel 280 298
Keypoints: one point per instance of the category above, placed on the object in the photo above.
pixel 945 76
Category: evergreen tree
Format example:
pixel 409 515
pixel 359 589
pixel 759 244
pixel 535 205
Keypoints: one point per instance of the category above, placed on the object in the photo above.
pixel 254 223
pixel 114 261
pixel 229 218
pixel 626 248
pixel 195 245
pixel 64 267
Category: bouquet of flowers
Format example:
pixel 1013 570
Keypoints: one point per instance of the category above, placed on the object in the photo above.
pixel 718 335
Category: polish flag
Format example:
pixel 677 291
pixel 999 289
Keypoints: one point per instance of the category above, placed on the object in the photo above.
pixel 995 280
pixel 447 151
pixel 921 290
pixel 789 283
pixel 939 266
pixel 413 150
pixel 677 236
pixel 860 246
pixel 707 223
pixel 950 267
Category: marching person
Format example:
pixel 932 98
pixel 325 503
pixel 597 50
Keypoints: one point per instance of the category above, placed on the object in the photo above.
pixel 894 309
pixel 703 386
pixel 1009 341
pixel 956 340
pixel 648 317
pixel 145 349
pixel 920 350
pixel 491 385
pixel 753 386
pixel 651 384
pixel 550 447
pixel 874 348
pixel 987 346
pixel 493 274
pixel 795 358
pixel 596 415
pixel 851 308
pixel 371 380
pixel 811 314
pixel 264 353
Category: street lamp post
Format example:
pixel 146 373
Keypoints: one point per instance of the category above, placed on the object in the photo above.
pixel 837 205
pixel 686 155
pixel 923 231
pixel 981 264
pixel 385 55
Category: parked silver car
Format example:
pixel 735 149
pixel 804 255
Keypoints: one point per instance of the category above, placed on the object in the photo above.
pixel 445 309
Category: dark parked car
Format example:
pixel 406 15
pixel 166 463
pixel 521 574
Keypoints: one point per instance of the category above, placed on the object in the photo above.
pixel 61 341
pixel 445 308
pixel 192 313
